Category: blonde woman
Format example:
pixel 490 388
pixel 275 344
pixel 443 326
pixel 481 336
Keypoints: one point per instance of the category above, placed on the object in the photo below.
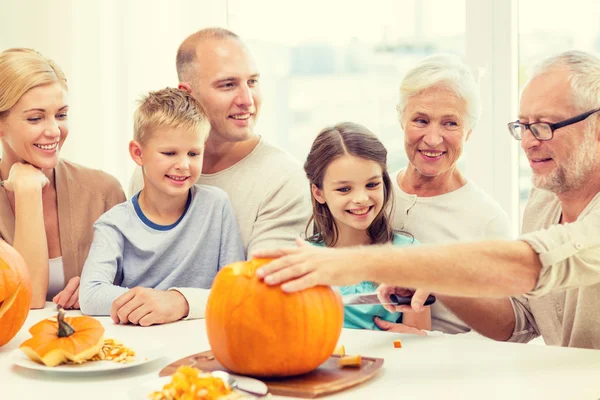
pixel 47 205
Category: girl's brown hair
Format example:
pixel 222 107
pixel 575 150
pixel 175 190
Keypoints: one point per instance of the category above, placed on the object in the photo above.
pixel 346 138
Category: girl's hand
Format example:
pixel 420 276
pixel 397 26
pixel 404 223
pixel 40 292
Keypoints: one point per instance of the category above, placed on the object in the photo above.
pixel 68 298
pixel 419 297
pixel 24 176
pixel 397 327
pixel 307 266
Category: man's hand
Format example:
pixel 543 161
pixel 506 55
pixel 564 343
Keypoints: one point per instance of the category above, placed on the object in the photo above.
pixel 419 297
pixel 396 327
pixel 68 298
pixel 307 266
pixel 145 307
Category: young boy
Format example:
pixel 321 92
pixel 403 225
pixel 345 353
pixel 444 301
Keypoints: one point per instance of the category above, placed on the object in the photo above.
pixel 171 234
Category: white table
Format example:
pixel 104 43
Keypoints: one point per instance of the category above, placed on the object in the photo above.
pixel 435 367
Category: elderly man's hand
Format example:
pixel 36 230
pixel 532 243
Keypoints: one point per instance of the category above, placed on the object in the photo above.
pixel 419 297
pixel 145 307
pixel 307 266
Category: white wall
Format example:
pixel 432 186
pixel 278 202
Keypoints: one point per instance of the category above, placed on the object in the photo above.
pixel 112 51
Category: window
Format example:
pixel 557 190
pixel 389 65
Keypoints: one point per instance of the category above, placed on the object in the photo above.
pixel 324 62
pixel 543 32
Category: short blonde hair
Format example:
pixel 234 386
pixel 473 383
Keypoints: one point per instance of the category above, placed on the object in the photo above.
pixel 22 70
pixel 172 108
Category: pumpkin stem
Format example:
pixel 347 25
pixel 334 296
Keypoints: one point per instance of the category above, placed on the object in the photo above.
pixel 64 329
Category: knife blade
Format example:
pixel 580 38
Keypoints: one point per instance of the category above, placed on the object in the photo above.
pixel 372 299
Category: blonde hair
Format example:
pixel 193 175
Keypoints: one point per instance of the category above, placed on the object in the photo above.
pixel 171 108
pixel 22 70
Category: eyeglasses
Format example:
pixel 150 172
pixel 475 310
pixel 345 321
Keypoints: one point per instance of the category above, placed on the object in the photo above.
pixel 543 130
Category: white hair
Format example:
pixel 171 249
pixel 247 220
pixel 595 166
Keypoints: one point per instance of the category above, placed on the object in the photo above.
pixel 584 76
pixel 446 70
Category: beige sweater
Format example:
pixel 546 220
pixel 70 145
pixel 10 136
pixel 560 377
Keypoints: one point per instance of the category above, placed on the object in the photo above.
pixel 564 307
pixel 83 195
pixel 269 193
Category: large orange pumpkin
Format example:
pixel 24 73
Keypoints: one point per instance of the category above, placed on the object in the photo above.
pixel 56 341
pixel 256 329
pixel 15 292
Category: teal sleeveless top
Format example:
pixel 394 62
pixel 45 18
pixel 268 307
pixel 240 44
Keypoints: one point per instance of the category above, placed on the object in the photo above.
pixel 361 317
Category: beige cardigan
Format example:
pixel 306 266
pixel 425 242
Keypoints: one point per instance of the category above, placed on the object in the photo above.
pixel 83 195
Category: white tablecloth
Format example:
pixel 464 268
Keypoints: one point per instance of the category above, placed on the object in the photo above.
pixel 435 367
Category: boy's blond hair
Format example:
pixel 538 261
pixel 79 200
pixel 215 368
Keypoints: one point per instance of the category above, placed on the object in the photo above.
pixel 171 108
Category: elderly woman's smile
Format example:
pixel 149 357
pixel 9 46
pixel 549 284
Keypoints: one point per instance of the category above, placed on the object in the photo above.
pixel 435 130
pixel 432 155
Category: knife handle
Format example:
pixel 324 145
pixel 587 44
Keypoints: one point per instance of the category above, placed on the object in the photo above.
pixel 405 300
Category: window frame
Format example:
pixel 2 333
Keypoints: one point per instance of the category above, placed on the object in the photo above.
pixel 491 47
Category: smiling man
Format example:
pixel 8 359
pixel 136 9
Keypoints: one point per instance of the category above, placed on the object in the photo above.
pixel 552 272
pixel 266 186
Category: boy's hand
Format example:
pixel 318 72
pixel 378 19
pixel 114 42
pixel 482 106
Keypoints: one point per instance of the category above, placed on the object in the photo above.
pixel 145 307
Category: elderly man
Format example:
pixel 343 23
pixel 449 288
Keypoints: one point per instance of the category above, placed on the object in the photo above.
pixel 266 186
pixel 554 267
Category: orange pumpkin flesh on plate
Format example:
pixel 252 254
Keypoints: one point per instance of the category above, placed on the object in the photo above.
pixel 256 329
pixel 15 292
pixel 74 339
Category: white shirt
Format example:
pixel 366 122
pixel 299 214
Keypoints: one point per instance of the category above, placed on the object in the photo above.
pixel 463 215
pixel 56 277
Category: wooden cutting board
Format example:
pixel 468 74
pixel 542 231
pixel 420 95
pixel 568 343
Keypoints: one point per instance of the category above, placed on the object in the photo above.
pixel 328 378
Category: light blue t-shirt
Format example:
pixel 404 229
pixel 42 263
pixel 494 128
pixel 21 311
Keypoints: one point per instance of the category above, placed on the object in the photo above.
pixel 129 250
pixel 361 317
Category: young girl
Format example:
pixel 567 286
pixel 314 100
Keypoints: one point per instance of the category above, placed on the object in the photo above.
pixel 351 199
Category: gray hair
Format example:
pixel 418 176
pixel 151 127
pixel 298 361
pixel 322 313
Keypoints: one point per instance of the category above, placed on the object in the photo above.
pixel 584 76
pixel 446 70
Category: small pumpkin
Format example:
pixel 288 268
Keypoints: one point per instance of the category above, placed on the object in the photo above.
pixel 74 339
pixel 260 330
pixel 15 292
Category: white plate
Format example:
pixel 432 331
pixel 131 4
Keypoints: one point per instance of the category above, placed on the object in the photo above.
pixel 142 391
pixel 143 354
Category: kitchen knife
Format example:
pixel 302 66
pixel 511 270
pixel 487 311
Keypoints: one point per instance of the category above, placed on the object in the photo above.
pixel 372 299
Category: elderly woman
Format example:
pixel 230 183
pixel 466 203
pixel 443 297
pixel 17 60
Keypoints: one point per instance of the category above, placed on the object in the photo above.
pixel 47 205
pixel 438 108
